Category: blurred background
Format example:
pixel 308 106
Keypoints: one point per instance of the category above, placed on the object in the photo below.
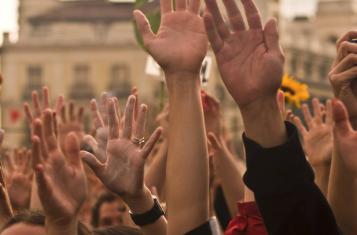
pixel 80 48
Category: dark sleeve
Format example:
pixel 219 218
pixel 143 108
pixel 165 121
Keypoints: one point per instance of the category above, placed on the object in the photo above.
pixel 204 229
pixel 283 183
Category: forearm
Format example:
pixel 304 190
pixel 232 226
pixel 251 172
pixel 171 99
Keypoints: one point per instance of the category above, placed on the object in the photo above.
pixel 187 163
pixel 155 176
pixel 322 175
pixel 232 183
pixel 143 204
pixel 342 195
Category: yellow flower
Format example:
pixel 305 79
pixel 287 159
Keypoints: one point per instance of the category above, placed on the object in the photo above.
pixel 295 92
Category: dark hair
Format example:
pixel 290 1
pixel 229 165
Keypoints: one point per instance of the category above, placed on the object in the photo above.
pixel 118 230
pixel 103 198
pixel 37 219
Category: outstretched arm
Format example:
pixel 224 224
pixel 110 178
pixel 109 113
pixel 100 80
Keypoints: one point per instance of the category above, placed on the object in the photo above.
pixel 250 61
pixel 180 47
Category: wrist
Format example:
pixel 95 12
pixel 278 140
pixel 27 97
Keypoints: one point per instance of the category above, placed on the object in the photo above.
pixel 263 123
pixel 182 80
pixel 140 203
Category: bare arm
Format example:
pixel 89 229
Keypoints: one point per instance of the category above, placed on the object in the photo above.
pixel 179 47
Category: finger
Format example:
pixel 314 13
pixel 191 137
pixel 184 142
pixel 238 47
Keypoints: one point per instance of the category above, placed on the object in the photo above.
pixel 221 27
pixel 317 110
pixel 71 112
pixel 63 114
pixel 307 116
pixel 97 118
pixel 151 142
pixel 89 144
pixel 298 123
pixel 46 98
pixel 144 27
pixel 134 92
pixel 194 6
pixel 347 62
pixel 55 124
pixel 340 115
pixel 216 145
pixel 59 104
pixel 235 17
pixel 103 107
pixel 36 152
pixel 281 102
pixel 28 113
pixel 117 107
pixel 165 6
pixel 271 36
pixel 180 5
pixel 253 15
pixel 343 77
pixel 139 131
pixel 50 137
pixel 28 162
pixel 346 48
pixel 36 104
pixel 72 149
pixel 329 115
pixel 128 117
pixel 45 190
pixel 38 131
pixel 113 121
pixel 80 115
pixel 347 37
pixel 92 162
pixel 213 36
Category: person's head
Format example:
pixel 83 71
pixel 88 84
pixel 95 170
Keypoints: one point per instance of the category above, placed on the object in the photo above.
pixel 118 230
pixel 110 210
pixel 32 223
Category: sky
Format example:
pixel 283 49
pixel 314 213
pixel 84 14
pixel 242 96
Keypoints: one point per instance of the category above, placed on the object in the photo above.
pixel 8 12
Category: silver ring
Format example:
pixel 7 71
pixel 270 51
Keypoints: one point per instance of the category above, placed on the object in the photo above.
pixel 138 141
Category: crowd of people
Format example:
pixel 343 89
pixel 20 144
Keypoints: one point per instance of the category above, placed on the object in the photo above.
pixel 296 176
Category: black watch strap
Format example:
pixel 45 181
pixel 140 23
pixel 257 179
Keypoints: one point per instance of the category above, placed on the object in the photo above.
pixel 148 217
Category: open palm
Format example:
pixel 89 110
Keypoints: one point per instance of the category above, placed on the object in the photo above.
pixel 181 42
pixel 250 60
pixel 123 169
pixel 61 179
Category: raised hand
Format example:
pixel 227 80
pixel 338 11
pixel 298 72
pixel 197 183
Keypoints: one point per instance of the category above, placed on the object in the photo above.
pixel 181 42
pixel 18 178
pixel 344 72
pixel 250 59
pixel 122 171
pixel 70 121
pixel 38 109
pixel 345 137
pixel 317 137
pixel 62 184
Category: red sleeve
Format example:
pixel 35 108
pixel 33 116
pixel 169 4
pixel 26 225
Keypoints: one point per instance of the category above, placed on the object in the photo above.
pixel 248 222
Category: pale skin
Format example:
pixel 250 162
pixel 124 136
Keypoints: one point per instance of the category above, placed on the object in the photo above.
pixel 227 169
pixel 318 140
pixel 250 61
pixel 342 186
pixel 61 178
pixel 121 169
pixel 183 28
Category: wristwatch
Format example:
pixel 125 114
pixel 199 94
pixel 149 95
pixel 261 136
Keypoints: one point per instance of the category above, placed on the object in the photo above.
pixel 148 217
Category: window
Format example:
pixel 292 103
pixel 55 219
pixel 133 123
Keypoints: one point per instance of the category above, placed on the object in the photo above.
pixel 81 88
pixel 119 83
pixel 33 82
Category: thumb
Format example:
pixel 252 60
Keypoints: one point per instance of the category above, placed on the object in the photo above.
pixel 92 162
pixel 340 116
pixel 271 35
pixel 144 27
